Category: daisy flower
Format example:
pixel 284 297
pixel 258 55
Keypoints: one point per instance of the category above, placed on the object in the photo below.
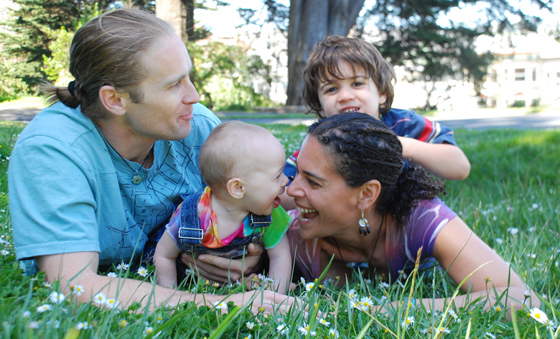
pixel 100 299
pixel 123 323
pixel 148 330
pixel 333 333
pixel 112 275
pixel 220 305
pixel 306 330
pixel 5 252
pixel 442 330
pixel 250 325
pixel 142 271
pixel 111 303
pixel 324 322
pixel 83 325
pixel 282 329
pixel 309 286
pixel 77 289
pixel 538 315
pixel 44 308
pixel 56 298
pixel 26 314
pixel 407 322
pixel 122 266
pixel 33 325
pixel 366 302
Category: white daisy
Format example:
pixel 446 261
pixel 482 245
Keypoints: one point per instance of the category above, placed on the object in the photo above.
pixel 56 298
pixel 100 299
pixel 142 271
pixel 44 308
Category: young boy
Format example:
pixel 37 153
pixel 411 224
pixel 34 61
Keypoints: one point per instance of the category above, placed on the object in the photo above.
pixel 350 75
pixel 242 165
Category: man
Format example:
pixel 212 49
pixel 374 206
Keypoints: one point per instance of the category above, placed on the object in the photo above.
pixel 93 177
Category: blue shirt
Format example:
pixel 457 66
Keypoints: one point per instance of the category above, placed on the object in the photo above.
pixel 70 192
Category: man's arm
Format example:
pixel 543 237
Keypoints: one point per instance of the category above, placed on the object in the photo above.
pixel 80 268
pixel 223 270
pixel 445 160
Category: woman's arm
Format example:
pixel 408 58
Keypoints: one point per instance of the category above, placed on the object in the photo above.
pixel 223 270
pixel 462 252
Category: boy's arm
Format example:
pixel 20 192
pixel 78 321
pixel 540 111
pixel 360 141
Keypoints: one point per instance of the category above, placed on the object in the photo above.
pixel 164 260
pixel 445 160
pixel 280 265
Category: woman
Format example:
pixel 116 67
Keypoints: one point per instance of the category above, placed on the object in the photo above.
pixel 359 201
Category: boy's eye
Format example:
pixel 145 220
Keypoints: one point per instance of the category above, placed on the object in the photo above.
pixel 358 83
pixel 330 89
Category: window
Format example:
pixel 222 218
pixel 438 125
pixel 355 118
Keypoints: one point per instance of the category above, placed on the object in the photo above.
pixel 520 74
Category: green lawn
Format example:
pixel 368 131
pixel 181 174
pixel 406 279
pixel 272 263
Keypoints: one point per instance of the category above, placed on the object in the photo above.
pixel 510 200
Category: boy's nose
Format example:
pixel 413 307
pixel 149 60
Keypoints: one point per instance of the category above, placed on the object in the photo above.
pixel 345 94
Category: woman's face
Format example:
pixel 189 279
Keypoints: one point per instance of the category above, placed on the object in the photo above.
pixel 327 205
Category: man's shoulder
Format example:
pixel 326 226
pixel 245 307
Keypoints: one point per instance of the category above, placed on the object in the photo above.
pixel 58 121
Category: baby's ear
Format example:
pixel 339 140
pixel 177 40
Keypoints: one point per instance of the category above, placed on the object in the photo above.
pixel 236 188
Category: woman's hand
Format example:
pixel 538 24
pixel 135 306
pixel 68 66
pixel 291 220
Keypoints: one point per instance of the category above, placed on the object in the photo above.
pixel 223 270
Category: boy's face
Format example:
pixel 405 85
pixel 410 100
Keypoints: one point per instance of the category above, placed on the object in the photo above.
pixel 266 180
pixel 355 92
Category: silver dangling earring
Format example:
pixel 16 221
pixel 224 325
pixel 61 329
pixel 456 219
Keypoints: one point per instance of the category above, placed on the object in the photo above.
pixel 364 225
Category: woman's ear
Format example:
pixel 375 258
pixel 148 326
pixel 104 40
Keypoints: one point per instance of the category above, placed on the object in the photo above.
pixel 112 100
pixel 235 188
pixel 369 193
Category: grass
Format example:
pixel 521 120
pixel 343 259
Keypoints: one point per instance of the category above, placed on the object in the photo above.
pixel 510 200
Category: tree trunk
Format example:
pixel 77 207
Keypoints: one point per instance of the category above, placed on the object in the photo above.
pixel 174 12
pixel 311 21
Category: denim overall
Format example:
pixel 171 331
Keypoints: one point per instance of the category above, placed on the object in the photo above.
pixel 189 238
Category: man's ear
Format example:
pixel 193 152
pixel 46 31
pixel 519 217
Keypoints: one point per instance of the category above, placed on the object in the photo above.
pixel 369 193
pixel 112 100
pixel 236 188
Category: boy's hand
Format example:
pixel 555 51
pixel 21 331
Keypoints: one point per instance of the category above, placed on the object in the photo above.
pixel 223 270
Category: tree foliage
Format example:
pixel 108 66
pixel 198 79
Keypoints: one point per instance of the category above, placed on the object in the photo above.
pixel 34 24
pixel 225 76
pixel 409 34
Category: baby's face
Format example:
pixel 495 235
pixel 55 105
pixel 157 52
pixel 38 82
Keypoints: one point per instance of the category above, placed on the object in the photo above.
pixel 355 92
pixel 267 180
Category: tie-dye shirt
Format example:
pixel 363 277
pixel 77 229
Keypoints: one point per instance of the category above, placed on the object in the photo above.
pixel 272 235
pixel 401 245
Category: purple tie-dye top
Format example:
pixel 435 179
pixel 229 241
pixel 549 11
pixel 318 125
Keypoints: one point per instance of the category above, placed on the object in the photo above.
pixel 401 245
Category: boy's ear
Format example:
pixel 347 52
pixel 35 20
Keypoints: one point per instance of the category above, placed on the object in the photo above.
pixel 382 98
pixel 369 193
pixel 112 100
pixel 236 188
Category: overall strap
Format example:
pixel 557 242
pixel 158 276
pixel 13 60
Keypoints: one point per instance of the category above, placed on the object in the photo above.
pixel 190 232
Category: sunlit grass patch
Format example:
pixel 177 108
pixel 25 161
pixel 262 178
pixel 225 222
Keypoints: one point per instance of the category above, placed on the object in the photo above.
pixel 511 200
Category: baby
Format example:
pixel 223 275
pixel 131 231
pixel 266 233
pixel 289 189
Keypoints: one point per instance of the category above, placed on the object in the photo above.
pixel 242 164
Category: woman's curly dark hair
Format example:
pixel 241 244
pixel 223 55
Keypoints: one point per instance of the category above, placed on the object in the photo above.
pixel 362 148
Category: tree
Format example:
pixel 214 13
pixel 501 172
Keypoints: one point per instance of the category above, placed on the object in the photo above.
pixel 409 33
pixel 33 24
